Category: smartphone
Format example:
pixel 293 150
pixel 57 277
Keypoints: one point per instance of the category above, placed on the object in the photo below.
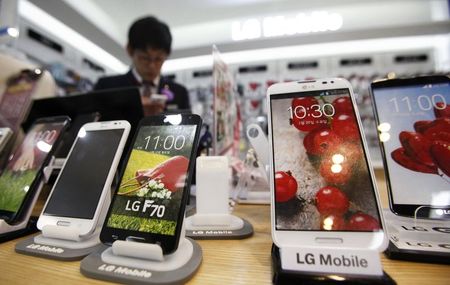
pixel 70 135
pixel 149 204
pixel 21 177
pixel 159 98
pixel 413 119
pixel 323 188
pixel 77 197
pixel 5 135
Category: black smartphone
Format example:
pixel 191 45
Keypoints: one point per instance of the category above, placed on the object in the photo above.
pixel 21 177
pixel 413 121
pixel 149 204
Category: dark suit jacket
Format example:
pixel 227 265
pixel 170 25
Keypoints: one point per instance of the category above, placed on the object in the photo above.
pixel 180 100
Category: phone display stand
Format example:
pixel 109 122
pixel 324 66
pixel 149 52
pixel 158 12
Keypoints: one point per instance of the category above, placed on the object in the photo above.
pixel 253 186
pixel 420 240
pixel 327 266
pixel 26 225
pixel 64 243
pixel 131 262
pixel 212 219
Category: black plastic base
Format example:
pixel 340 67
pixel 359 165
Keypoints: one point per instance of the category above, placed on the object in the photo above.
pixel 29 229
pixel 281 276
pixel 394 252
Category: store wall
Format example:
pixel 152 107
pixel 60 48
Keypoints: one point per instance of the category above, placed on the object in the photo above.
pixel 357 16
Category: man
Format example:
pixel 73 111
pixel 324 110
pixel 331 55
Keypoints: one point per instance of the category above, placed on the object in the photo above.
pixel 149 45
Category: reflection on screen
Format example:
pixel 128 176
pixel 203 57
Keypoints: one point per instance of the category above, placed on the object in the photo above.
pixel 80 184
pixel 25 164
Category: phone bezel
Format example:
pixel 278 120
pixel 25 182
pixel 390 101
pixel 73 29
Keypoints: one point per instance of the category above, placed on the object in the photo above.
pixel 13 217
pixel 168 243
pixel 406 210
pixel 342 239
pixel 87 226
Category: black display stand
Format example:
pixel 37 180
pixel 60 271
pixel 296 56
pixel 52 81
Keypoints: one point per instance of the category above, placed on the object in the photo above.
pixel 281 276
pixel 30 228
pixel 394 252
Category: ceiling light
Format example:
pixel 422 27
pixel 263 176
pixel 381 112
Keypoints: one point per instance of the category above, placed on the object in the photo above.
pixel 58 29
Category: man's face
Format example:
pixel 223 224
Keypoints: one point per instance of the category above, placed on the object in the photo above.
pixel 147 62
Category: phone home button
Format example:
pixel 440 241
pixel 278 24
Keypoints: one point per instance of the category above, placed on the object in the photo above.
pixel 135 239
pixel 327 240
pixel 63 223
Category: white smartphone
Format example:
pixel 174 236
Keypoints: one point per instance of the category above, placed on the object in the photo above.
pixel 77 197
pixel 322 184
pixel 5 135
pixel 158 98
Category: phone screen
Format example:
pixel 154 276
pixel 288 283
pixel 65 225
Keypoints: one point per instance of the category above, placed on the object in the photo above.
pixel 24 165
pixel 321 175
pixel 414 128
pixel 150 193
pixel 81 181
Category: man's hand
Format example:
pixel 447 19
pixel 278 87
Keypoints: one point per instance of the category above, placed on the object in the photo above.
pixel 25 161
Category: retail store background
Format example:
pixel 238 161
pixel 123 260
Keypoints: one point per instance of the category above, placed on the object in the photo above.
pixel 80 41
pixel 358 40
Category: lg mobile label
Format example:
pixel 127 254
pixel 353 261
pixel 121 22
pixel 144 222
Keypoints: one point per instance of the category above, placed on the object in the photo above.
pixel 123 270
pixel 45 248
pixel 212 233
pixel 411 244
pixel 421 236
pixel 346 261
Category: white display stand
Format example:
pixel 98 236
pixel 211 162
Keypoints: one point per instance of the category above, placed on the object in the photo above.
pixel 20 228
pixel 63 243
pixel 422 240
pixel 132 262
pixel 311 265
pixel 212 219
pixel 253 186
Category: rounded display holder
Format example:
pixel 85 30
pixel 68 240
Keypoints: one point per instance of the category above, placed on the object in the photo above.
pixel 419 239
pixel 215 226
pixel 64 243
pixel 327 266
pixel 60 244
pixel 212 219
pixel 253 186
pixel 130 262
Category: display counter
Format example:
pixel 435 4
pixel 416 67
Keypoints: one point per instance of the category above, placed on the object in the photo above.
pixel 244 261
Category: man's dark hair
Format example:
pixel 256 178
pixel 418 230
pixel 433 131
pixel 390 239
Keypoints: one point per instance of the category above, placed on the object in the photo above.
pixel 149 32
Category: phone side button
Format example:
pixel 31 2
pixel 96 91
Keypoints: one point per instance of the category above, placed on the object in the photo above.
pixel 329 240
